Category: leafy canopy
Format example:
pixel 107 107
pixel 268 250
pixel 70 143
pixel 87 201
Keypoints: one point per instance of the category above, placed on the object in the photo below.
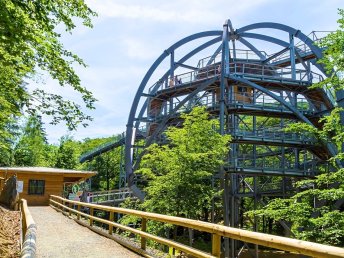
pixel 180 172
pixel 316 211
pixel 29 43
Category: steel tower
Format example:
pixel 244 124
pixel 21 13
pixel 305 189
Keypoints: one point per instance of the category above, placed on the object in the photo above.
pixel 256 80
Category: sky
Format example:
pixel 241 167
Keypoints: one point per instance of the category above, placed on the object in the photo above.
pixel 128 35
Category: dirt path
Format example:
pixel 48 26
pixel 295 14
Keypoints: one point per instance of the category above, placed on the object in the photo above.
pixel 59 236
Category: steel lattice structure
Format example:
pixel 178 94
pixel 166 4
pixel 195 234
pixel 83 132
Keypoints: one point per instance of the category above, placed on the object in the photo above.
pixel 255 91
pixel 254 95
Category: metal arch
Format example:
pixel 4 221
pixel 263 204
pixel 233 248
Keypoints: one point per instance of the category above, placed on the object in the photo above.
pixel 217 51
pixel 290 30
pixel 163 123
pixel 129 130
pixel 157 63
pixel 182 60
pixel 265 38
pixel 272 95
pixel 253 48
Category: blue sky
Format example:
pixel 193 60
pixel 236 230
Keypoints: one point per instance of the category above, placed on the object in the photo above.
pixel 129 35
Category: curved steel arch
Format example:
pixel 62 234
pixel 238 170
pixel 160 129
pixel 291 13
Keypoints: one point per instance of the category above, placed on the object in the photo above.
pixel 265 38
pixel 253 48
pixel 279 26
pixel 163 123
pixel 129 130
pixel 182 60
pixel 241 35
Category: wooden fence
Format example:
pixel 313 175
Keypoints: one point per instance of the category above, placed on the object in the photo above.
pixel 29 232
pixel 217 231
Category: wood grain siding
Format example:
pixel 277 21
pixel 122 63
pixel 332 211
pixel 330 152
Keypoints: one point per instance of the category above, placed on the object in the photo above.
pixel 53 183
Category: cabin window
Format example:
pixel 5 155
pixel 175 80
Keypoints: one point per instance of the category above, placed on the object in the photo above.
pixel 36 187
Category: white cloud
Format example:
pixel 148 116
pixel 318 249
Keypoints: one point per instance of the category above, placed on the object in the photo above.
pixel 174 11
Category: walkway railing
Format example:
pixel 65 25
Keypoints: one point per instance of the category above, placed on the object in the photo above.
pixel 217 231
pixel 259 71
pixel 240 100
pixel 272 165
pixel 109 196
pixel 272 134
pixel 29 231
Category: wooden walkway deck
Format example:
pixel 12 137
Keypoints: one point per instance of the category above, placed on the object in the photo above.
pixel 59 236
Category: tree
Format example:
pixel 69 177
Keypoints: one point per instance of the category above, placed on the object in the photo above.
pixel 68 154
pixel 29 43
pixel 32 148
pixel 180 172
pixel 8 138
pixel 107 164
pixel 316 211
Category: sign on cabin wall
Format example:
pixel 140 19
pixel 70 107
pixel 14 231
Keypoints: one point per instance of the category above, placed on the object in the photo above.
pixel 20 186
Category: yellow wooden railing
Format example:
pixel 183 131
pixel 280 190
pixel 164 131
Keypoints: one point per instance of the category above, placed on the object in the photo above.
pixel 29 231
pixel 217 231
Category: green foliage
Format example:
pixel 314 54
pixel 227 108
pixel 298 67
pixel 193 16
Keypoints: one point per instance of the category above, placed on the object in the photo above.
pixel 7 142
pixel 333 59
pixel 107 164
pixel 68 154
pixel 29 44
pixel 315 212
pixel 180 173
pixel 32 148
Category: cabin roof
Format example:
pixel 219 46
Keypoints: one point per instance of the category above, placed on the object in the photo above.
pixel 45 170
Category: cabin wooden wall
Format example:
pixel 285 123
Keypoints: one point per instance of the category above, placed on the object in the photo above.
pixel 53 185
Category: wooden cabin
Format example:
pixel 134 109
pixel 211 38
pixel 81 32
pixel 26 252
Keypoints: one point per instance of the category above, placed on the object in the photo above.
pixel 36 184
pixel 243 94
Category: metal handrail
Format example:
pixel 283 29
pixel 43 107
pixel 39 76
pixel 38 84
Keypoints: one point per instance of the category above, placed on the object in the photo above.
pixel 242 54
pixel 308 167
pixel 102 197
pixel 272 134
pixel 263 102
pixel 246 69
pixel 217 231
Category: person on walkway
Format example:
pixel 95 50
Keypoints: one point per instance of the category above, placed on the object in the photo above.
pixel 218 69
pixel 171 82
pixel 176 80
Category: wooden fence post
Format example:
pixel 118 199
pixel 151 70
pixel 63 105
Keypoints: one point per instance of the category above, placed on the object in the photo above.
pixel 216 245
pixel 79 208
pixel 111 220
pixel 143 228
pixel 91 213
pixel 70 206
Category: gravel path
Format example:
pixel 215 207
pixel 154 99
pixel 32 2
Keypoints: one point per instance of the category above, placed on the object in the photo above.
pixel 59 236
